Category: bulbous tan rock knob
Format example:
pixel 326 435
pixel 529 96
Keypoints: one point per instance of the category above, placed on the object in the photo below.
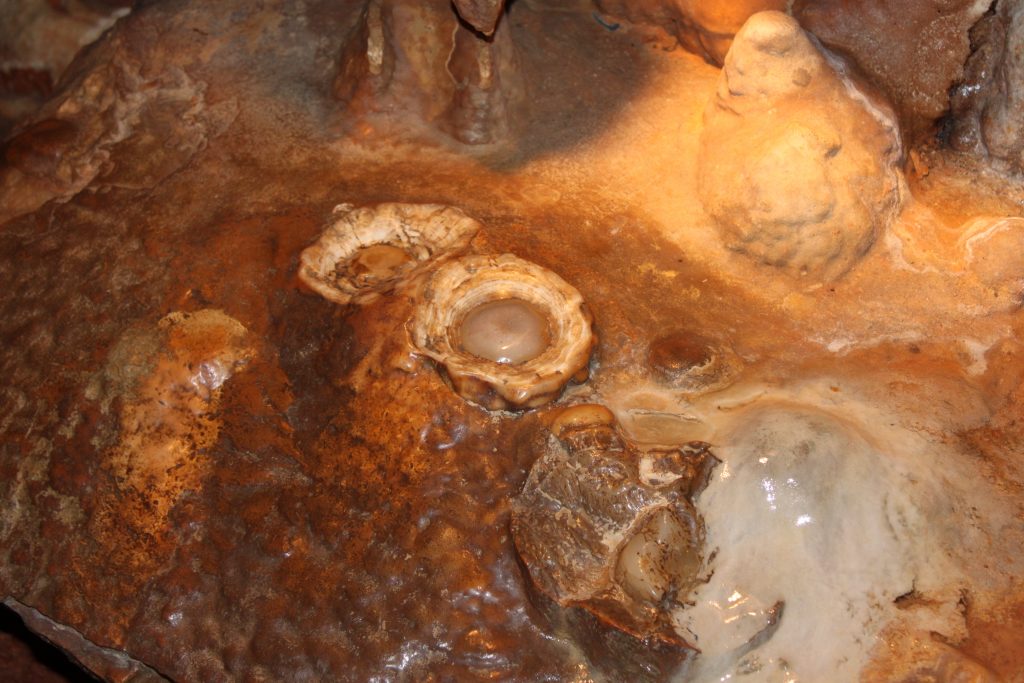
pixel 798 166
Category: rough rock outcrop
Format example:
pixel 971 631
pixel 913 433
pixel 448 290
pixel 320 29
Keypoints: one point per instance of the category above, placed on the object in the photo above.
pixel 705 28
pixel 988 105
pixel 797 165
pixel 37 42
pixel 610 535
pixel 109 101
pixel 483 15
pixel 914 51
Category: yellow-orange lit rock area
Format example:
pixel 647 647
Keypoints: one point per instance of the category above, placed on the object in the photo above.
pixel 211 472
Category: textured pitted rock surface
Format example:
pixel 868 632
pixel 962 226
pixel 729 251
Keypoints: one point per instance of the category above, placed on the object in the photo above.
pixel 702 27
pixel 483 15
pixel 332 510
pixel 797 166
pixel 988 102
pixel 914 51
pixel 345 519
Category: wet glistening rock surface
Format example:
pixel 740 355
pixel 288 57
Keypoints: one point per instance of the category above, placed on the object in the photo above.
pixel 296 294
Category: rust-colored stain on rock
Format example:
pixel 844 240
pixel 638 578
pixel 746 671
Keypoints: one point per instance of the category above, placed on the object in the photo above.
pixel 212 470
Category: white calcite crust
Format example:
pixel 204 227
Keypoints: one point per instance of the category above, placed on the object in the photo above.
pixel 426 233
pixel 809 512
pixel 460 286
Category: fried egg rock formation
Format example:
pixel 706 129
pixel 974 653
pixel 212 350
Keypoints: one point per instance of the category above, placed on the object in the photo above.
pixel 366 252
pixel 797 167
pixel 508 333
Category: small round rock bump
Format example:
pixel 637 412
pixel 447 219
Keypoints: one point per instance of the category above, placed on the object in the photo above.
pixel 690 362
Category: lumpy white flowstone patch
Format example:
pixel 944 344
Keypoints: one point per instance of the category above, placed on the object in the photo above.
pixel 814 529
